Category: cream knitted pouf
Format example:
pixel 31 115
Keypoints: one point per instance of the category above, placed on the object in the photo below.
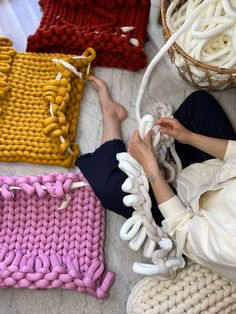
pixel 195 289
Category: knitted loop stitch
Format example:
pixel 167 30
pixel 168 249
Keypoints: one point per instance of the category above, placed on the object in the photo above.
pixel 6 53
pixel 43 247
pixel 39 104
pixel 115 29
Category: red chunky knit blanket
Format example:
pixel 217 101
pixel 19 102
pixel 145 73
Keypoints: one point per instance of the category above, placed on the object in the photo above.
pixel 116 29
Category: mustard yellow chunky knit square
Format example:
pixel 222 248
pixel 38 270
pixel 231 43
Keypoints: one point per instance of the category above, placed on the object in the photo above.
pixel 40 95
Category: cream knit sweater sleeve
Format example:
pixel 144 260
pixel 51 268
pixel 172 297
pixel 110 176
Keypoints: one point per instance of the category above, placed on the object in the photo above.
pixel 230 151
pixel 179 219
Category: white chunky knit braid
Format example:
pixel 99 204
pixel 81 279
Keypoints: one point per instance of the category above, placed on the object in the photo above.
pixel 141 228
pixel 195 290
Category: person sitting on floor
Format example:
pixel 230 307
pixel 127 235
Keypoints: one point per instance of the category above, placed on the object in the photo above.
pixel 201 215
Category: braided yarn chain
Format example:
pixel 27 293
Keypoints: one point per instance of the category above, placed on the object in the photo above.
pixel 195 290
pixel 141 228
pixel 46 245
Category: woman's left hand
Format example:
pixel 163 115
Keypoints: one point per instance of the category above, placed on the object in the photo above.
pixel 142 151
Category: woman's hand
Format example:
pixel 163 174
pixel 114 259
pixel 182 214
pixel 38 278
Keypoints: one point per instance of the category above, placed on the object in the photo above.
pixel 142 151
pixel 174 128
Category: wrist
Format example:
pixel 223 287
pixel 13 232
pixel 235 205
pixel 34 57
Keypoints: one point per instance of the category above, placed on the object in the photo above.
pixel 156 179
pixel 152 169
pixel 189 138
pixel 152 172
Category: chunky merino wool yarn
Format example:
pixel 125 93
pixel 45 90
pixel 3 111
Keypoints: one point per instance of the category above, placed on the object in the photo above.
pixel 115 29
pixel 195 290
pixel 40 96
pixel 52 234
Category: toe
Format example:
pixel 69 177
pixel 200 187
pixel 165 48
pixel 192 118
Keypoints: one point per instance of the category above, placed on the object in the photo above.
pixel 99 84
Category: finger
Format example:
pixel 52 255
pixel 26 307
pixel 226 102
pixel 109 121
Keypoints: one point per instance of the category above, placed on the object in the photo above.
pixel 135 137
pixel 130 148
pixel 164 121
pixel 167 131
pixel 148 137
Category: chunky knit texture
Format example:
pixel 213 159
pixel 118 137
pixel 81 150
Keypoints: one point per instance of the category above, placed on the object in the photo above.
pixel 39 105
pixel 71 26
pixel 44 246
pixel 106 3
pixel 195 290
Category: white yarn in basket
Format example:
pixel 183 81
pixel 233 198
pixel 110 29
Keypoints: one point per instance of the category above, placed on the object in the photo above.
pixel 210 39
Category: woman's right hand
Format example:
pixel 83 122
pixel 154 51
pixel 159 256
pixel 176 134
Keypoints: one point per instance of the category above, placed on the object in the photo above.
pixel 142 151
pixel 173 127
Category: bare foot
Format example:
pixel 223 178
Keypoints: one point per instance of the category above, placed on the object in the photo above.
pixel 108 105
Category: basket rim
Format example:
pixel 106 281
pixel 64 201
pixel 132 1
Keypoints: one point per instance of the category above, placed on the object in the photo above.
pixel 179 50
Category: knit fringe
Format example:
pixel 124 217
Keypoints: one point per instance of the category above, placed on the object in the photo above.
pixel 6 54
pixel 55 184
pixel 57 92
pixel 53 271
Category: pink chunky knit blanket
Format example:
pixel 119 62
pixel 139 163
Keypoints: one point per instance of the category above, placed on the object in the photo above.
pixel 52 233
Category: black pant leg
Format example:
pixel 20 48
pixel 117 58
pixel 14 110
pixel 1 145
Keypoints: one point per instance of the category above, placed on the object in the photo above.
pixel 201 113
pixel 101 170
pixel 103 174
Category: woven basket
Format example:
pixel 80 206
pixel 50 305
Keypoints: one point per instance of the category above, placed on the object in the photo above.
pixel 212 78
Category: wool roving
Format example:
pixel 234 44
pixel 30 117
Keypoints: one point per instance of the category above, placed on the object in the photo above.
pixel 115 29
pixel 52 234
pixel 40 96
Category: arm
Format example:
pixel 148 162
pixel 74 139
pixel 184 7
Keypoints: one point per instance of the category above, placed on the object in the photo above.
pixel 161 188
pixel 177 218
pixel 210 145
pixel 213 146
